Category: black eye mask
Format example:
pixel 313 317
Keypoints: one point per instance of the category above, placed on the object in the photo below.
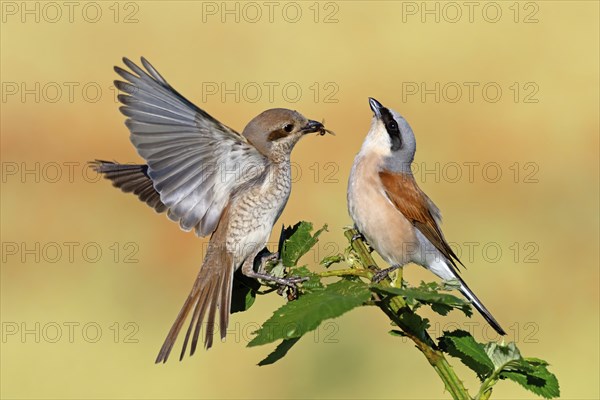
pixel 392 128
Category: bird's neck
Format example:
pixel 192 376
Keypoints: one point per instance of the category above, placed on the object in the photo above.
pixel 399 167
pixel 385 162
pixel 278 177
pixel 280 153
pixel 280 169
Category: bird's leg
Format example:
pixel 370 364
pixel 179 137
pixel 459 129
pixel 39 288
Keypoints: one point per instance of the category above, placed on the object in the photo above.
pixel 248 270
pixel 380 275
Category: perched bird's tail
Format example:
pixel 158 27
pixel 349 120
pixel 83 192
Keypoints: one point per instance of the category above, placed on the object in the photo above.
pixel 446 271
pixel 211 290
pixel 468 293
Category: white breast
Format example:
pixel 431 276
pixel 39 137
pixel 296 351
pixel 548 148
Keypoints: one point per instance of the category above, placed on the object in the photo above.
pixel 385 228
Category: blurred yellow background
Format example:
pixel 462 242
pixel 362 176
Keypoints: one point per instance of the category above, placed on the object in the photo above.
pixel 503 99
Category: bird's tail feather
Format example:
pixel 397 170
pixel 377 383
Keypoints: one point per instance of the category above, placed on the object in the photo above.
pixel 131 178
pixel 468 293
pixel 211 290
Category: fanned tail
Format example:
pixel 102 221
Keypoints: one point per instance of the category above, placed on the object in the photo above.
pixel 131 178
pixel 211 290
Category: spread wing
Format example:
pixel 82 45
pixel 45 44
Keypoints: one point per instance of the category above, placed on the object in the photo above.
pixel 403 192
pixel 194 161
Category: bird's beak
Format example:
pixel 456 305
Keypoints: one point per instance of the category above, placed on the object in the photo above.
pixel 313 126
pixel 376 107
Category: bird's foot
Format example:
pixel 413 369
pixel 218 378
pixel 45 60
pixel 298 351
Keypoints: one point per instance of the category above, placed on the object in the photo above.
pixel 270 258
pixel 272 272
pixel 357 236
pixel 291 289
pixel 288 284
pixel 291 281
pixel 382 274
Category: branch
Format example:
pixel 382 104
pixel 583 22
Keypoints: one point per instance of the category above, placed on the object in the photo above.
pixel 396 309
pixel 364 273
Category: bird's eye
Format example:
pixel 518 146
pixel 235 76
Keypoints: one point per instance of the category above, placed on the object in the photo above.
pixel 288 128
pixel 393 125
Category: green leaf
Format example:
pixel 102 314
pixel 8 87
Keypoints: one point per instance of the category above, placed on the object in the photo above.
pixel 298 241
pixel 441 303
pixel 536 361
pixel 285 234
pixel 330 260
pixel 298 317
pixel 416 325
pixel 502 354
pixel 547 388
pixel 440 308
pixel 243 292
pixel 462 345
pixel 280 351
pixel 314 281
pixel 277 269
pixel 531 373
pixel 533 377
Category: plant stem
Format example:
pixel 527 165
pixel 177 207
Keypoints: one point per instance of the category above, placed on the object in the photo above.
pixel 396 308
pixel 347 272
pixel 397 282
pixel 485 391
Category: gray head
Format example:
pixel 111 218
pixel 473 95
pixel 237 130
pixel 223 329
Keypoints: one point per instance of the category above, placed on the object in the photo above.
pixel 275 132
pixel 391 137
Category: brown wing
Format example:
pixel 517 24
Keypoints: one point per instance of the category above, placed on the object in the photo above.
pixel 403 192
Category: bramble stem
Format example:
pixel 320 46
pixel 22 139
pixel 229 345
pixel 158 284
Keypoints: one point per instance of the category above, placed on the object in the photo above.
pixel 396 308
pixel 347 272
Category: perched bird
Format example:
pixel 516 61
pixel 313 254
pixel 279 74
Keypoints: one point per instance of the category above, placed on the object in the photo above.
pixel 209 178
pixel 389 209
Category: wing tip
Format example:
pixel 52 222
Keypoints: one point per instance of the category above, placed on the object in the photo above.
pixel 127 61
pixel 120 71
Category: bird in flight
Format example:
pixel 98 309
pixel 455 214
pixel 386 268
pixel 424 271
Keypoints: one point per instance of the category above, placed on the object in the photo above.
pixel 209 178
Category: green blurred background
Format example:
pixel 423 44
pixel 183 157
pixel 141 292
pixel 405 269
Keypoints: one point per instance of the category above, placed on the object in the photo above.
pixel 88 323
